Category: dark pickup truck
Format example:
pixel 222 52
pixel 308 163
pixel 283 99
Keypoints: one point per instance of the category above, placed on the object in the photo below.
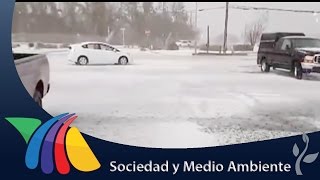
pixel 291 51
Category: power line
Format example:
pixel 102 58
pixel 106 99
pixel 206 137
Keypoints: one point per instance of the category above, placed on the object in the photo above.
pixel 205 9
pixel 263 9
pixel 274 9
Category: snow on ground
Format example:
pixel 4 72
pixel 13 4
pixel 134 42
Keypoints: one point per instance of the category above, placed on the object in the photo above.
pixel 171 99
pixel 24 48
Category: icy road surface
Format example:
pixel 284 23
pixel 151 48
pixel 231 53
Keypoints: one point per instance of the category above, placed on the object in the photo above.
pixel 175 100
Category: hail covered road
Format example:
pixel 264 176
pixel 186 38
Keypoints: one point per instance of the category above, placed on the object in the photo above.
pixel 176 100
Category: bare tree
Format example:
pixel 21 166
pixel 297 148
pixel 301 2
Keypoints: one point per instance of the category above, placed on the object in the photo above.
pixel 79 20
pixel 253 31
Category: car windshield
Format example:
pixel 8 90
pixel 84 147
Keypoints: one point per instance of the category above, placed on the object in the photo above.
pixel 299 43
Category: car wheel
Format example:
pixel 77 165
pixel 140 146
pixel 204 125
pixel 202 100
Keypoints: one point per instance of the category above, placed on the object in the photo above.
pixel 82 60
pixel 123 60
pixel 265 67
pixel 298 70
pixel 38 97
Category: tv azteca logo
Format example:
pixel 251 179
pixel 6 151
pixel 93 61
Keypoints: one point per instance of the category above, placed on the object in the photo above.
pixel 55 144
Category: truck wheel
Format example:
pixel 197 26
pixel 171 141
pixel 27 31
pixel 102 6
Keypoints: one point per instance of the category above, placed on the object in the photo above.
pixel 297 70
pixel 265 67
pixel 38 97
pixel 83 60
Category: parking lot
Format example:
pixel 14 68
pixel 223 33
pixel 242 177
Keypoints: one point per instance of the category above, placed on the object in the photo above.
pixel 172 99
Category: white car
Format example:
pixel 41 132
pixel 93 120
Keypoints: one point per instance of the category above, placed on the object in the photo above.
pixel 97 53
pixel 184 43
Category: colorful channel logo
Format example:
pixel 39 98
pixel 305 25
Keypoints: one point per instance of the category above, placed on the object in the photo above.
pixel 54 144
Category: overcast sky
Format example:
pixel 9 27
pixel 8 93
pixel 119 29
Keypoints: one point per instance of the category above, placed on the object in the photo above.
pixel 277 21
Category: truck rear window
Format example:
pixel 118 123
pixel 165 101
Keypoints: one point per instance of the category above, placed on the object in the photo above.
pixel 267 45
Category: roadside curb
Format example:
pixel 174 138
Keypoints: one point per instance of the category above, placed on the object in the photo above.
pixel 218 54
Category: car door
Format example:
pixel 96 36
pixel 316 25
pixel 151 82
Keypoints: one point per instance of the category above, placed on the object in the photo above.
pixel 283 54
pixel 92 51
pixel 109 55
pixel 100 53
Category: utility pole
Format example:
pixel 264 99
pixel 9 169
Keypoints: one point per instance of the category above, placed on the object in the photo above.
pixel 191 18
pixel 123 29
pixel 121 8
pixel 226 29
pixel 147 32
pixel 208 38
pixel 163 6
pixel 108 35
pixel 196 22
